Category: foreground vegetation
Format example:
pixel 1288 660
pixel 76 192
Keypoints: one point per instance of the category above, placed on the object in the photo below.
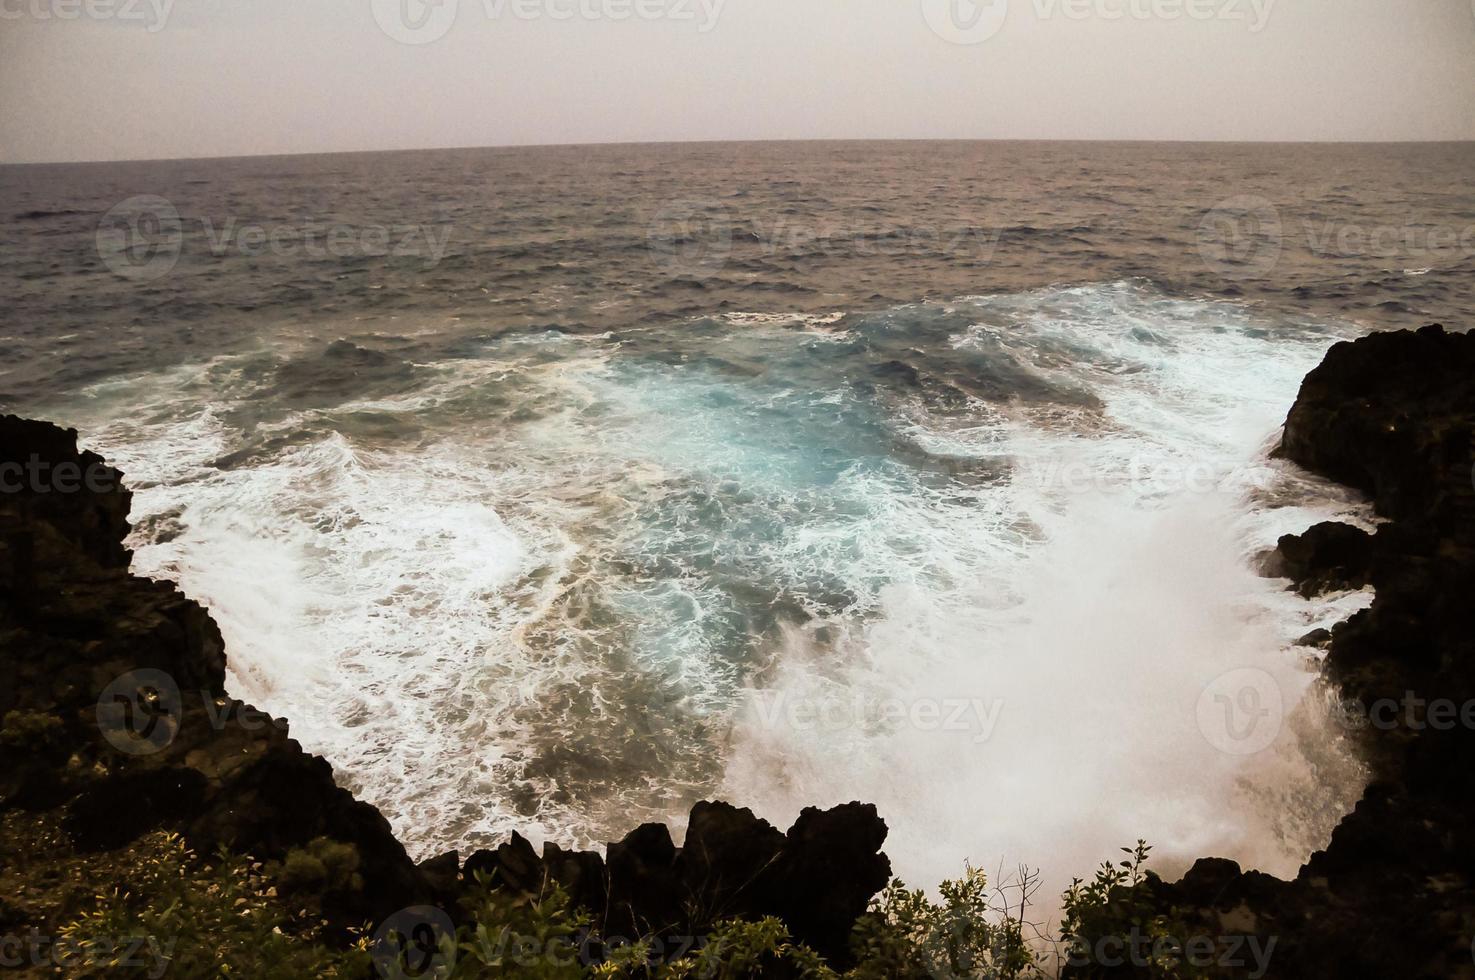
pixel 182 915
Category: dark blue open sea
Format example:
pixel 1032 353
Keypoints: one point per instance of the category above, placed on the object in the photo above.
pixel 555 489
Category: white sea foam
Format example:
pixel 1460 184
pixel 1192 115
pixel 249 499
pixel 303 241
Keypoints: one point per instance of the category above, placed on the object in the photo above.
pixel 1130 587
pixel 577 589
pixel 770 319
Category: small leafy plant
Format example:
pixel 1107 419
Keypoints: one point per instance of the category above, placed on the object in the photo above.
pixel 1115 905
pixel 975 932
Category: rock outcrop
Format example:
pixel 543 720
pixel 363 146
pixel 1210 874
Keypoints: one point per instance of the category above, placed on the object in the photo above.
pixel 1325 558
pixel 1393 893
pixel 116 719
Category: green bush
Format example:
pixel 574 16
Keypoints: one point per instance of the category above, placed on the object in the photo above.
pixel 1114 903
pixel 231 917
pixel 32 731
pixel 518 936
pixel 323 865
pixel 974 932
pixel 197 919
pixel 738 950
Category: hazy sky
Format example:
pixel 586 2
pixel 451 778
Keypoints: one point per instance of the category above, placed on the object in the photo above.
pixel 109 79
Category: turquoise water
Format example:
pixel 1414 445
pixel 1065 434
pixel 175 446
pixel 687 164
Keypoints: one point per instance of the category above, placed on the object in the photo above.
pixel 972 561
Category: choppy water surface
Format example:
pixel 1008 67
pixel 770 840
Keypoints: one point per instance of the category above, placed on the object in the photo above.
pixel 927 475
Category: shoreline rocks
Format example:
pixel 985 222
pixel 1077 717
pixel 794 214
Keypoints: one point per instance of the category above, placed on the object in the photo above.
pixel 1393 893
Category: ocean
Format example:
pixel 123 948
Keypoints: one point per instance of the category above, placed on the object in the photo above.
pixel 555 489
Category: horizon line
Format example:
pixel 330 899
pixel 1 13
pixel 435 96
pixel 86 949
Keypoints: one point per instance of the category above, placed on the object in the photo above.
pixel 719 142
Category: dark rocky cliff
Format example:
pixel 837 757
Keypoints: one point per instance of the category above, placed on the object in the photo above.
pixel 1393 893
